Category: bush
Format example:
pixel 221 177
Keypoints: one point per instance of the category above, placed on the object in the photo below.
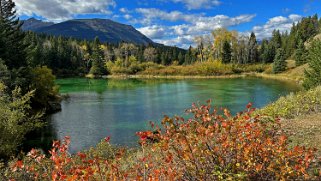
pixel 15 120
pixel 207 146
pixel 43 82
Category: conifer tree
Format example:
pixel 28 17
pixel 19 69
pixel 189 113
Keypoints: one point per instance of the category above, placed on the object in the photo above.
pixel 279 64
pixel 300 54
pixel 252 49
pixel 12 47
pixel 97 67
pixel 227 52
pixel 313 75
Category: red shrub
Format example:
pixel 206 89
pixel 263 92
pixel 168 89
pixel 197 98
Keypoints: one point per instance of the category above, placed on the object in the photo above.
pixel 208 146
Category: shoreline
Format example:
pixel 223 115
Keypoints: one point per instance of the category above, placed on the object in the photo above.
pixel 280 77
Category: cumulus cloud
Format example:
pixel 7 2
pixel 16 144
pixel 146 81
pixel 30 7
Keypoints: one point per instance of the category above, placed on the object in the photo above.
pixel 180 41
pixel 153 32
pixel 279 23
pixel 150 15
pixel 198 4
pixel 193 25
pixel 124 10
pixel 59 10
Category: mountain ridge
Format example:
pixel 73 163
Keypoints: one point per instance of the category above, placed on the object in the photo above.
pixel 105 29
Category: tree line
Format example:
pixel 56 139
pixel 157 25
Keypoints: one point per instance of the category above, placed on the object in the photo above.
pixel 68 56
pixel 233 47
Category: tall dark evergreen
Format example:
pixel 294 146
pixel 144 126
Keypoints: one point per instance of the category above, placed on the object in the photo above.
pixel 263 51
pixel 12 46
pixel 279 64
pixel 313 75
pixel 300 54
pixel 276 39
pixel 252 49
pixel 97 67
pixel 227 52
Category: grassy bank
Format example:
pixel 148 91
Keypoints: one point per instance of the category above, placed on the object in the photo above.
pixel 210 69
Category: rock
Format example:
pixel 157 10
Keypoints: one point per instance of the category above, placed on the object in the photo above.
pixel 54 107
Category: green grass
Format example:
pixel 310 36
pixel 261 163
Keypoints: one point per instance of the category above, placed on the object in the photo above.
pixel 293 105
pixel 209 68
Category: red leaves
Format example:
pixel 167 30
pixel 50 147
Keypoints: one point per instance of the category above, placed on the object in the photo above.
pixel 18 165
pixel 144 135
pixel 249 105
pixel 81 155
pixel 107 139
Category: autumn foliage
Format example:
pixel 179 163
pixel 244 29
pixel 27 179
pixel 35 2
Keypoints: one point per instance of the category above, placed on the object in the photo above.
pixel 207 146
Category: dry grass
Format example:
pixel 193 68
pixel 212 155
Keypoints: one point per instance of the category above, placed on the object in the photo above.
pixel 304 130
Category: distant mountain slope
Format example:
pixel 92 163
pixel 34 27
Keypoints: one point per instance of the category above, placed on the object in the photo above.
pixel 33 24
pixel 106 30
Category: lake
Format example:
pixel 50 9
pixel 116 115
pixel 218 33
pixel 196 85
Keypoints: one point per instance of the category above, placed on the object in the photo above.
pixel 97 108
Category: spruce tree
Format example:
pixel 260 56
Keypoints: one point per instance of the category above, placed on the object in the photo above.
pixel 180 58
pixel 226 52
pixel 12 46
pixel 263 50
pixel 252 49
pixel 300 54
pixel 279 64
pixel 313 74
pixel 97 67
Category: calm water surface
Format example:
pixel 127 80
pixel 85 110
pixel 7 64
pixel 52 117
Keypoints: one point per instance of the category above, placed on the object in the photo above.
pixel 119 108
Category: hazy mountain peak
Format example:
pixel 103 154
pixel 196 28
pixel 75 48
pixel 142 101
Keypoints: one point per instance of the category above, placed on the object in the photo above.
pixel 106 29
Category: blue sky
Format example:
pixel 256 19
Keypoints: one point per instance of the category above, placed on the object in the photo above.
pixel 177 22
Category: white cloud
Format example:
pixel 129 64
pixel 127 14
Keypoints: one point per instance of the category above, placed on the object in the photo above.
pixel 194 25
pixel 153 32
pixel 276 23
pixel 150 15
pixel 124 10
pixel 180 41
pixel 128 16
pixel 59 10
pixel 198 4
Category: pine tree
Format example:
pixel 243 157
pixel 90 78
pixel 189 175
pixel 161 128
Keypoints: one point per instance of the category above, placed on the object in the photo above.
pixel 300 54
pixel 180 58
pixel 263 50
pixel 97 67
pixel 313 75
pixel 227 52
pixel 276 39
pixel 279 64
pixel 252 49
pixel 12 46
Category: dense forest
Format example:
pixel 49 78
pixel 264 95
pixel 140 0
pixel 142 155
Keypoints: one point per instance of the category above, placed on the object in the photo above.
pixel 67 56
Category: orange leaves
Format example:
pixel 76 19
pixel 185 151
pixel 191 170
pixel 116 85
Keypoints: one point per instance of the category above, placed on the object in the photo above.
pixel 18 165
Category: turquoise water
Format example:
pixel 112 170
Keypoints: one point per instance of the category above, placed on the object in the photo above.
pixel 119 108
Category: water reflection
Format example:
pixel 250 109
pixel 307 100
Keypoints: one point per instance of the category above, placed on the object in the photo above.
pixel 119 108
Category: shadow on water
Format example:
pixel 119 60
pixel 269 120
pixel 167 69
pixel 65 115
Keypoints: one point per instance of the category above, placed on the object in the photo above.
pixel 41 138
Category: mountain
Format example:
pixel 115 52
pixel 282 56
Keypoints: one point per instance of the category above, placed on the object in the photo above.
pixel 106 30
pixel 33 24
